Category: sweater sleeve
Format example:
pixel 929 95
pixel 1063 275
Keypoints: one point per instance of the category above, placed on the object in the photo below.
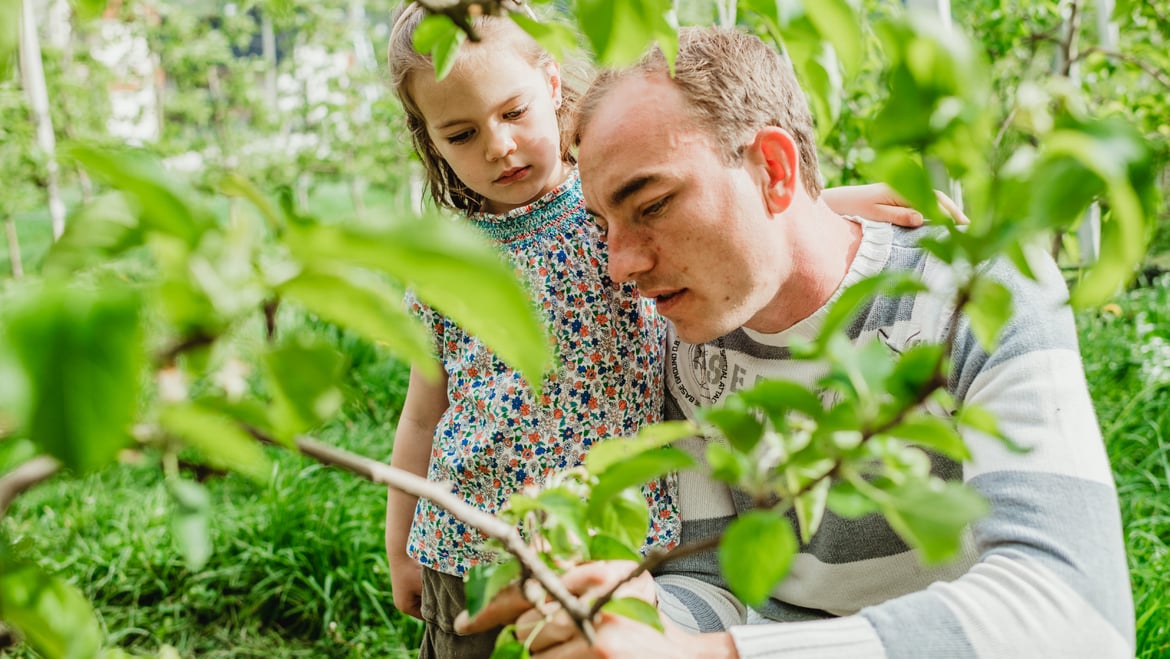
pixel 1050 577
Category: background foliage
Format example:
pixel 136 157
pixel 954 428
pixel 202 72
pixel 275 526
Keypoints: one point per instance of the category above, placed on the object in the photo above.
pixel 294 565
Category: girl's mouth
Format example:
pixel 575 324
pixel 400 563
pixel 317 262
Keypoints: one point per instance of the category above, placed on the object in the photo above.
pixel 513 175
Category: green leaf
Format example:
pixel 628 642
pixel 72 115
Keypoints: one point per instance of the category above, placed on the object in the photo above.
pixel 89 9
pixel 838 23
pixel 846 500
pixel 452 268
pixel 990 309
pixel 932 433
pixel 565 522
pixel 604 547
pixel 9 37
pixel 438 36
pixel 856 298
pixel 621 30
pixel 914 370
pixel 81 353
pixel 485 581
pixel 905 173
pixel 755 554
pixel 191 522
pixel 605 454
pixel 810 509
pixel 375 312
pixel 220 440
pixel 507 647
pixel 779 398
pixel 235 185
pixel 637 470
pixel 727 464
pixel 556 38
pixel 823 84
pixel 740 425
pixel 977 418
pixel 161 207
pixel 930 516
pixel 635 609
pixel 102 229
pixel 54 617
pixel 303 375
pixel 625 517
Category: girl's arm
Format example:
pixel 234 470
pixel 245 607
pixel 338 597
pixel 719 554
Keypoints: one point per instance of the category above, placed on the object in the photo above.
pixel 878 202
pixel 426 400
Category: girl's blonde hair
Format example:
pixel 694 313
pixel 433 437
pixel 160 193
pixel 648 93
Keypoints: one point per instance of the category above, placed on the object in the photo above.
pixel 442 183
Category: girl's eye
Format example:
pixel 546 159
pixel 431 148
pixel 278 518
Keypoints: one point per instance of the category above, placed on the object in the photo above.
pixel 460 138
pixel 602 229
pixel 516 114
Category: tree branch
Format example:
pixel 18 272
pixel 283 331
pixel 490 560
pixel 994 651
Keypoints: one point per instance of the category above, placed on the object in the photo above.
pixel 1160 76
pixel 12 484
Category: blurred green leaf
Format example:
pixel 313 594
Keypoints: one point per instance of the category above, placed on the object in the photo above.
pixel 639 469
pixel 621 30
pixel 81 352
pixel 507 647
pixel 451 267
pixel 755 553
pixel 990 309
pixel 603 547
pixel 605 454
pixel 438 36
pixel 304 377
pixel 102 229
pixel 9 37
pixel 916 367
pixel 727 465
pixel 933 433
pixel 485 581
pixel 846 500
pixel 739 424
pixel 635 609
pixel 854 299
pixel 837 23
pixel 218 438
pixel 930 516
pixel 978 418
pixel 779 398
pixel 558 39
pixel 810 509
pixel 904 172
pixel 235 185
pixel 53 616
pixel 161 207
pixel 191 522
pixel 373 311
pixel 89 9
pixel 626 517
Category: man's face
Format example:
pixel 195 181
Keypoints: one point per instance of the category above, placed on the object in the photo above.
pixel 693 232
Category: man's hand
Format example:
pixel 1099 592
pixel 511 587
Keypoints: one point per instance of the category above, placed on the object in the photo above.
pixel 406 585
pixel 879 202
pixel 616 636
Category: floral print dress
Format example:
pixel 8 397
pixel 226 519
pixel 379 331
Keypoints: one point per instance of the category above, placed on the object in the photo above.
pixel 496 437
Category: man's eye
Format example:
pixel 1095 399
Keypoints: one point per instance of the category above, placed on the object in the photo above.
pixel 656 207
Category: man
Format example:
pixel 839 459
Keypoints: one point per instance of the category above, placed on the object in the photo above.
pixel 708 190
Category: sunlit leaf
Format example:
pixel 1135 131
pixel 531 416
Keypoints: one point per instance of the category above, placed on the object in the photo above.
pixel 102 229
pixel 846 500
pixel 607 453
pixel 191 522
pixel 978 418
pixel 854 299
pixel 930 516
pixel 507 647
pixel 755 554
pixel 221 441
pixel 625 517
pixel 53 616
pixel 740 425
pixel 727 465
pixel 931 432
pixel 838 23
pixel 558 39
pixel 304 377
pixel 810 509
pixel 603 547
pixel 641 468
pixel 438 36
pixel 373 311
pixel 635 609
pixel 81 352
pixel 452 268
pixel 990 309
pixel 779 398
pixel 621 30
pixel 485 581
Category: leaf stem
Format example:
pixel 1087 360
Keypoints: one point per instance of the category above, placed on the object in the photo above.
pixel 36 470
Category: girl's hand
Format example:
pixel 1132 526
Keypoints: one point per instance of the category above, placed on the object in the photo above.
pixel 879 202
pixel 406 585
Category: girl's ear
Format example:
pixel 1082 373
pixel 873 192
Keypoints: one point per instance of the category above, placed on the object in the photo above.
pixel 552 72
pixel 774 151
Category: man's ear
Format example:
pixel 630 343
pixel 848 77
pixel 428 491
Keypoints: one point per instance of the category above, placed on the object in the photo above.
pixel 779 160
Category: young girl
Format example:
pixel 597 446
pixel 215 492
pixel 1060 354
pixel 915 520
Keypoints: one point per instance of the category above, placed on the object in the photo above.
pixel 489 137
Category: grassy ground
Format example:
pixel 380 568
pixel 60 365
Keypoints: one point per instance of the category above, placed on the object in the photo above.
pixel 299 569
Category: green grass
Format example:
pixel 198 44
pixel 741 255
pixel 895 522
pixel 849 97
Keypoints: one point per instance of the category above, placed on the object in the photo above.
pixel 1127 362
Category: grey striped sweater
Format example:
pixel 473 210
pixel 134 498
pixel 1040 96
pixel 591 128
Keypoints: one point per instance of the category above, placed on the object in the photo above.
pixel 1043 575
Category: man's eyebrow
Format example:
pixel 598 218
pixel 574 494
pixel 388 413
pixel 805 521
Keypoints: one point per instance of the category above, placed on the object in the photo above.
pixel 630 188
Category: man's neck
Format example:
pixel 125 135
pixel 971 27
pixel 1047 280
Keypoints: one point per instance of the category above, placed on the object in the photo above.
pixel 824 245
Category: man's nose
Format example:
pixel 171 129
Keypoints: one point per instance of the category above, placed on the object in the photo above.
pixel 629 255
pixel 500 143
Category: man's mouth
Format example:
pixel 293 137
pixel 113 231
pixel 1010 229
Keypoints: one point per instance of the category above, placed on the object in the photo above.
pixel 513 175
pixel 665 300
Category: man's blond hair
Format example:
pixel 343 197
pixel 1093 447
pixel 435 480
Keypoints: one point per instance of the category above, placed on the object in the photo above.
pixel 734 85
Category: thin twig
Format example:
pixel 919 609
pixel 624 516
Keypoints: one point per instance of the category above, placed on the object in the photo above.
pixel 12 484
pixel 1160 76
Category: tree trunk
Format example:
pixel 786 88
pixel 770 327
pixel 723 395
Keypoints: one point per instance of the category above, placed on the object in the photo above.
pixel 33 79
pixel 268 40
pixel 13 248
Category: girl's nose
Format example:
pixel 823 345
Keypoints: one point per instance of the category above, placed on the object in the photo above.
pixel 500 144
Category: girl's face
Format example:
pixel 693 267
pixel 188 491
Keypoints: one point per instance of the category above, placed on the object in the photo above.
pixel 493 119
